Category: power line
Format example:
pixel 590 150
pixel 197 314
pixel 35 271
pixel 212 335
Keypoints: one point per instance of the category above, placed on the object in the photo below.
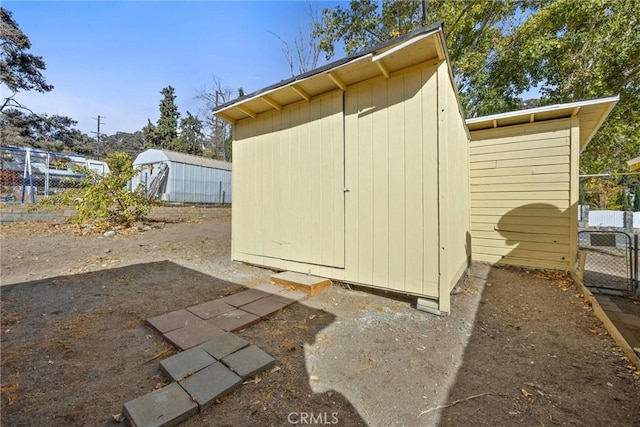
pixel 99 119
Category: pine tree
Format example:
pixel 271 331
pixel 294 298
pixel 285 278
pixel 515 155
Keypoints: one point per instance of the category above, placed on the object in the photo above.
pixel 164 134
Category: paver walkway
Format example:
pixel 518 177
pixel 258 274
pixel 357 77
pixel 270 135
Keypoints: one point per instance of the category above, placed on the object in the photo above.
pixel 192 326
pixel 626 321
pixel 214 361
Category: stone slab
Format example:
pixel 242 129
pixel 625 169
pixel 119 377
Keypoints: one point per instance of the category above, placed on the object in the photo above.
pixel 186 363
pixel 210 309
pixel 249 361
pixel 171 321
pixel 245 297
pixel 223 345
pixel 311 285
pixel 194 334
pixel 235 320
pixel 264 307
pixel 166 407
pixel 210 383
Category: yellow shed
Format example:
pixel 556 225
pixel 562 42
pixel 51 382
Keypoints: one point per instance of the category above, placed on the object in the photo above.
pixel 357 171
pixel 524 182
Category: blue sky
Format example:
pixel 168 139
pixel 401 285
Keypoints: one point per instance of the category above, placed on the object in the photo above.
pixel 113 58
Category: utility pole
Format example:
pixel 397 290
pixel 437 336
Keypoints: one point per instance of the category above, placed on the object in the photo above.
pixel 98 134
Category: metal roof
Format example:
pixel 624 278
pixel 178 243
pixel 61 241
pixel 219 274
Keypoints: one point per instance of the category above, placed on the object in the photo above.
pixel 154 155
pixel 592 113
pixel 425 43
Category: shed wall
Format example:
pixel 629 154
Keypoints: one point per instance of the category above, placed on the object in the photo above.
pixel 453 201
pixel 198 184
pixel 391 207
pixel 521 192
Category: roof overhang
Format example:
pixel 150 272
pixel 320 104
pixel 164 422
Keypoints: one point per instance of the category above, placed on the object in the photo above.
pixel 424 44
pixel 591 113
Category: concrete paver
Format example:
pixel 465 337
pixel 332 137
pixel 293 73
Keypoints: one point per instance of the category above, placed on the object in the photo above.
pixel 194 334
pixel 210 383
pixel 171 321
pixel 166 407
pixel 223 345
pixel 245 297
pixel 235 320
pixel 210 309
pixel 186 363
pixel 249 361
pixel 265 307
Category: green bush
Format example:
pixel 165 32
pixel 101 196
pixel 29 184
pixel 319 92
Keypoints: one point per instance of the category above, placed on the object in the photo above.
pixel 105 200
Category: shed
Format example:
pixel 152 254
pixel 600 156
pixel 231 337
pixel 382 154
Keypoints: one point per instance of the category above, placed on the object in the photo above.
pixel 183 178
pixel 356 171
pixel 524 182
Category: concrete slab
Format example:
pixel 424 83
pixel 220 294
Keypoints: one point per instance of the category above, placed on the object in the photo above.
pixel 244 297
pixel 210 383
pixel 171 321
pixel 265 307
pixel 210 309
pixel 166 407
pixel 311 285
pixel 235 320
pixel 194 334
pixel 249 361
pixel 223 345
pixel 186 363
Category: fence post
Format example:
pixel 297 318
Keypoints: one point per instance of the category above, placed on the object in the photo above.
pixel 627 220
pixel 635 265
pixel 220 193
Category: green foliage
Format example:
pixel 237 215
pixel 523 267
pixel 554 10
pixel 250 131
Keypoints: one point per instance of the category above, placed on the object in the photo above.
pixel 569 50
pixel 164 134
pixel 623 201
pixel 106 200
pixel 601 193
pixel 636 199
pixel 19 70
pixel 191 135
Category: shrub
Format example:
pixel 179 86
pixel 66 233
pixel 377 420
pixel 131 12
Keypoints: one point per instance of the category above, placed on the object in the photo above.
pixel 105 200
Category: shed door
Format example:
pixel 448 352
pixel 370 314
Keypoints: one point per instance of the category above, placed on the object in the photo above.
pixel 289 181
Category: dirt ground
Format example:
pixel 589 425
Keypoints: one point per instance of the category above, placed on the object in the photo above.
pixel 519 348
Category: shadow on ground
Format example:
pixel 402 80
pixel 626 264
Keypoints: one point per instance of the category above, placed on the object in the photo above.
pixel 556 365
pixel 75 349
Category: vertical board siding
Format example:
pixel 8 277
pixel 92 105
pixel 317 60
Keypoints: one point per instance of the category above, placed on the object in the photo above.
pixel 387 234
pixel 520 189
pixel 454 186
pixel 390 134
pixel 290 184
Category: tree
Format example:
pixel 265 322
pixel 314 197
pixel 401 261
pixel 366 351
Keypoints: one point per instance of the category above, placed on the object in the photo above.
pixel 19 70
pixel 636 199
pixel 54 133
pixel 191 135
pixel 217 131
pixel 130 143
pixel 570 49
pixel 165 133
pixel 574 50
pixel 303 53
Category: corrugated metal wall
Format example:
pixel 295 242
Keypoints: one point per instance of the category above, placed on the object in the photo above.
pixel 198 184
pixel 520 194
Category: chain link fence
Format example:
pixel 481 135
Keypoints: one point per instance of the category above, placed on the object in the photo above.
pixel 610 260
pixel 29 175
